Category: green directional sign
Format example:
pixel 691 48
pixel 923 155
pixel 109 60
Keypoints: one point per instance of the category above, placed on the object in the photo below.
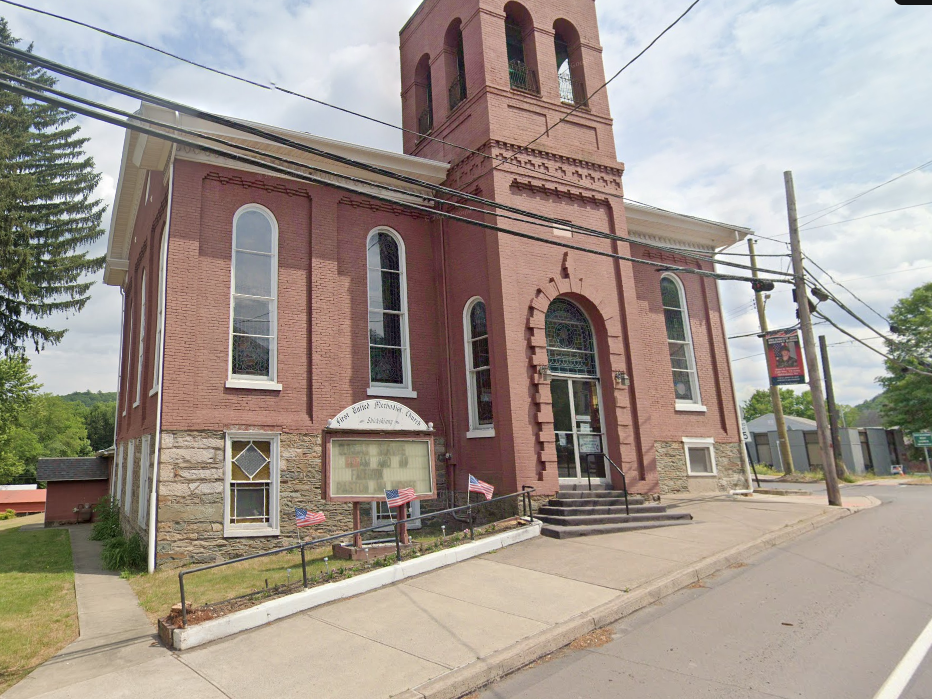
pixel 922 439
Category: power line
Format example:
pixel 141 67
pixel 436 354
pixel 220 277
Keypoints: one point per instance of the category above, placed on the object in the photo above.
pixel 276 138
pixel 855 296
pixel 861 218
pixel 836 207
pixel 498 159
pixel 872 349
pixel 577 107
pixel 886 274
pixel 127 124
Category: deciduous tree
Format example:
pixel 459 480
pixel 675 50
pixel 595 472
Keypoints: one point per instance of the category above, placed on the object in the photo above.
pixel 907 400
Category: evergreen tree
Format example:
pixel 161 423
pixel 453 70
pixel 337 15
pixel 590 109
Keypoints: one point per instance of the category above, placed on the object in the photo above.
pixel 48 215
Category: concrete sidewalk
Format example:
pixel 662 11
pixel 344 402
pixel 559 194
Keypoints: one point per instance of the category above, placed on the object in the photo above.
pixel 441 634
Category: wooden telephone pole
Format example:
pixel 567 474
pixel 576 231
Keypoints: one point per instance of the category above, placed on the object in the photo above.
pixel 832 409
pixel 812 359
pixel 786 456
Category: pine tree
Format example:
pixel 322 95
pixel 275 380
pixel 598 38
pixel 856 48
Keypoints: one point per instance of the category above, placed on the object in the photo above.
pixel 48 215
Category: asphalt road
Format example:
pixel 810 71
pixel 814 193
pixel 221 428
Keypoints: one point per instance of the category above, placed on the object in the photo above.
pixel 827 615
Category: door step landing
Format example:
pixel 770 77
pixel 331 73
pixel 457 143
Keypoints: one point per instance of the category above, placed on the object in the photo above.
pixel 585 513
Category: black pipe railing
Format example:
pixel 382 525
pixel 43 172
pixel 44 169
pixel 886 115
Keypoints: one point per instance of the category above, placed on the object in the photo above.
pixel 524 494
pixel 624 481
pixel 457 92
pixel 522 77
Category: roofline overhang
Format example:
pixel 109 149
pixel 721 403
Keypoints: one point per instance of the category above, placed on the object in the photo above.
pixel 652 225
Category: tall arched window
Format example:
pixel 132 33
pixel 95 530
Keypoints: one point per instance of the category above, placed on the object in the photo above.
pixel 142 337
pixel 570 72
pixel 455 63
pixel 679 339
pixel 253 347
pixel 424 96
pixel 478 369
pixel 519 44
pixel 570 347
pixel 389 359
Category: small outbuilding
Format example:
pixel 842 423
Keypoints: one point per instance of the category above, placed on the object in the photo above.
pixel 73 485
pixel 22 500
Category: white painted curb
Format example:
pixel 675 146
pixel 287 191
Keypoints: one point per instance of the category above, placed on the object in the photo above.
pixel 272 610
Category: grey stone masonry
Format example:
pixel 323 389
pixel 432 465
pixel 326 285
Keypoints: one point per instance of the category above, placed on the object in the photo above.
pixel 671 469
pixel 191 499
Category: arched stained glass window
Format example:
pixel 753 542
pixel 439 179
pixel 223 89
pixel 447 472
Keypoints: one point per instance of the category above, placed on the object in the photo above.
pixel 388 311
pixel 570 345
pixel 478 369
pixel 679 339
pixel 255 291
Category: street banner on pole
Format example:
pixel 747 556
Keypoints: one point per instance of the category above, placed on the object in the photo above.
pixel 784 360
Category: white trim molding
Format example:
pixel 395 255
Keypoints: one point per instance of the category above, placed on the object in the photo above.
pixel 707 443
pixel 691 370
pixel 475 428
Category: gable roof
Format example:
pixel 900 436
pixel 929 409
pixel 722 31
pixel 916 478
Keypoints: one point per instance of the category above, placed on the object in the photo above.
pixel 15 497
pixel 768 423
pixel 81 468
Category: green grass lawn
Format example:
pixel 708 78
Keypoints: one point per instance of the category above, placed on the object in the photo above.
pixel 157 592
pixel 39 614
pixel 17 522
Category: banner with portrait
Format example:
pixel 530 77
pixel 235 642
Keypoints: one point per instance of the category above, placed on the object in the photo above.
pixel 785 358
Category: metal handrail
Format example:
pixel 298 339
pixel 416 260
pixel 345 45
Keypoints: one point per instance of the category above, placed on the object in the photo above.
pixel 457 92
pixel 624 480
pixel 522 77
pixel 524 494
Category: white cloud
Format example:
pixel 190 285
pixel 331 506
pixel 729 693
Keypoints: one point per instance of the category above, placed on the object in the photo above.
pixel 706 123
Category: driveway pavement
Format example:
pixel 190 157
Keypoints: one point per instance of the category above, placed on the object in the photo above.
pixel 432 635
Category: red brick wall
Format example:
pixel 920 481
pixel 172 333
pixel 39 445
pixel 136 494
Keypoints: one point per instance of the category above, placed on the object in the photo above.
pixel 64 496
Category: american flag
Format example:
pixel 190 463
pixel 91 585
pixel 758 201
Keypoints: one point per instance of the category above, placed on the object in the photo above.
pixel 306 519
pixel 396 497
pixel 477 486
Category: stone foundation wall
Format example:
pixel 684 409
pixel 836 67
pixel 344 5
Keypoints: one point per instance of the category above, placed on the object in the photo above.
pixel 191 483
pixel 671 470
pixel 129 507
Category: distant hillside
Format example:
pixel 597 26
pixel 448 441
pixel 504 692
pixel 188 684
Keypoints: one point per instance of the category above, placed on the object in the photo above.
pixel 869 412
pixel 87 398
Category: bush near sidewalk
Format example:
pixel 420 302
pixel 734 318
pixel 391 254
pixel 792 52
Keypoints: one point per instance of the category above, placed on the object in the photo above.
pixel 39 612
pixel 119 553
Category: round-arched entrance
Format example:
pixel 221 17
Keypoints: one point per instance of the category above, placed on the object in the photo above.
pixel 576 394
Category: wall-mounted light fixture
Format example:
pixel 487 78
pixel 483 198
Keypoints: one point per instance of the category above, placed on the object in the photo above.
pixel 622 379
pixel 544 372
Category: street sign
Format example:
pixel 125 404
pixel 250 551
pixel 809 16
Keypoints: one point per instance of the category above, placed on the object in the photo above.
pixel 922 439
pixel 745 433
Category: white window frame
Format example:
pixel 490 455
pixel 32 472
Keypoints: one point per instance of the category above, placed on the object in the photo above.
pixel 128 487
pixel 404 389
pixel 142 337
pixel 253 529
pixel 694 405
pixel 129 360
pixel 160 314
pixel 241 380
pixel 700 442
pixel 475 429
pixel 117 489
pixel 414 510
pixel 143 513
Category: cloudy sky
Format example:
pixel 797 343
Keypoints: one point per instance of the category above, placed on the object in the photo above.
pixel 706 123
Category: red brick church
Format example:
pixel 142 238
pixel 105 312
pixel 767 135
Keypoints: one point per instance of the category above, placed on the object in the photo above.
pixel 257 306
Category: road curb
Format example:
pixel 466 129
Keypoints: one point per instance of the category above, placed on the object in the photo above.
pixel 483 671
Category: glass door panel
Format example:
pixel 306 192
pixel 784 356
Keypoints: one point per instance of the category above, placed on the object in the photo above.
pixel 577 423
pixel 563 428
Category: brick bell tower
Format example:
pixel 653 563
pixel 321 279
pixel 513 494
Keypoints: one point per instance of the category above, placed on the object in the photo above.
pixel 492 76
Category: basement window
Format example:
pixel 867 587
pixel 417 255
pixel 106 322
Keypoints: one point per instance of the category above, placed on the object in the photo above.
pixel 251 492
pixel 700 456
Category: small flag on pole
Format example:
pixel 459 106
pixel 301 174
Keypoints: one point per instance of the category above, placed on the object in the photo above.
pixel 306 519
pixel 396 497
pixel 477 486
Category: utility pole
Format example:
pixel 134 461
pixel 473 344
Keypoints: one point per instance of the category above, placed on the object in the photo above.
pixel 786 456
pixel 832 409
pixel 812 361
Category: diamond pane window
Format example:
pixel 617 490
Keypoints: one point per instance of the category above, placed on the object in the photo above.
pixel 679 340
pixel 255 284
pixel 388 323
pixel 478 367
pixel 252 495
pixel 570 346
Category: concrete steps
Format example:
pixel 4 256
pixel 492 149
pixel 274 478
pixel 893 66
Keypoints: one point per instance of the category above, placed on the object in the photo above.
pixel 585 513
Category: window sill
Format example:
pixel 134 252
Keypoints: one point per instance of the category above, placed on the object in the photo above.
pixel 388 392
pixel 701 475
pixel 690 408
pixel 136 404
pixel 155 389
pixel 253 385
pixel 479 434
pixel 242 533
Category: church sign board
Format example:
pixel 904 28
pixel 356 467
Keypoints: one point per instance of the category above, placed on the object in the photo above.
pixel 377 445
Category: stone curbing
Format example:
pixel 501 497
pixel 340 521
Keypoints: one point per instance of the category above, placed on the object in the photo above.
pixel 469 678
pixel 267 612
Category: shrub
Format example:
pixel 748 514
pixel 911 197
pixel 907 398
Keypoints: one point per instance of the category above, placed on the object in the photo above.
pixel 107 525
pixel 121 553
pixel 9 514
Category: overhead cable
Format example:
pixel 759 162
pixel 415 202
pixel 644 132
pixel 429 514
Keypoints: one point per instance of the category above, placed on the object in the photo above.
pixel 872 349
pixel 861 218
